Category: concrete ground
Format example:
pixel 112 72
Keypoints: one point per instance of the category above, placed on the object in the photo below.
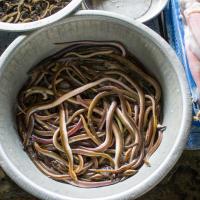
pixel 182 183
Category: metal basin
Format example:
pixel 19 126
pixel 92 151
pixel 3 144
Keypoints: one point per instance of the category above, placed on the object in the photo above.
pixel 159 60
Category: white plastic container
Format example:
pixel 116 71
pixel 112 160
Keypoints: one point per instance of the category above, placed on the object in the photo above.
pixel 139 10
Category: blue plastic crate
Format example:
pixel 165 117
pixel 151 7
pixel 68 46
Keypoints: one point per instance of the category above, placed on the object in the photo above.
pixel 175 32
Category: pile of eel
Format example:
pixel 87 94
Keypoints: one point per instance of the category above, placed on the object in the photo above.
pixel 89 115
pixel 23 11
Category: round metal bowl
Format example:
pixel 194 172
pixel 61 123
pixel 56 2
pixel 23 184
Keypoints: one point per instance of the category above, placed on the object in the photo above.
pixel 73 5
pixel 139 10
pixel 159 60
